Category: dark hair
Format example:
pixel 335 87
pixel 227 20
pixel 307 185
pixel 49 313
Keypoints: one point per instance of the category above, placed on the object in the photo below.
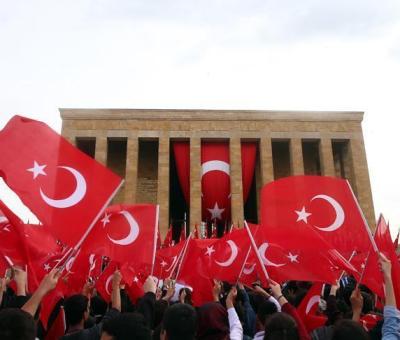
pixel 349 330
pixel 265 309
pixel 98 307
pixel 180 322
pixel 127 326
pixel 368 302
pixel 281 326
pixel 75 307
pixel 16 324
pixel 159 310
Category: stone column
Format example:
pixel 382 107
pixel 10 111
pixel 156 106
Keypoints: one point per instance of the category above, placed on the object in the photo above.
pixel 361 178
pixel 267 167
pixel 163 184
pixel 326 156
pixel 131 172
pixel 296 157
pixel 235 156
pixel 195 182
pixel 101 149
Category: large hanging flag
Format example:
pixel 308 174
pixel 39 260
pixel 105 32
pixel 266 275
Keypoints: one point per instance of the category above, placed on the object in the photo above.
pixel 66 189
pixel 326 204
pixel 126 233
pixel 215 182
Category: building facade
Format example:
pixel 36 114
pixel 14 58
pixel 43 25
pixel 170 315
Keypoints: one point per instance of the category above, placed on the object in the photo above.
pixel 136 144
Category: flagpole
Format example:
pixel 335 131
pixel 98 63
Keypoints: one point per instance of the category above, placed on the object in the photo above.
pixel 180 255
pixel 364 220
pixel 253 243
pixel 183 257
pixel 350 258
pixel 155 240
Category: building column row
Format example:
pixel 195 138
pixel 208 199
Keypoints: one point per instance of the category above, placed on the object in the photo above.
pixel 237 204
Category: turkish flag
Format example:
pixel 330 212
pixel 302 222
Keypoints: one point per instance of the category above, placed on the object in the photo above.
pixel 194 272
pixel 167 260
pixel 294 254
pixel 309 306
pixel 369 272
pixel 125 233
pixel 326 204
pixel 11 245
pixel 104 283
pixel 227 255
pixel 384 243
pixel 66 189
pixel 215 181
pixel 168 238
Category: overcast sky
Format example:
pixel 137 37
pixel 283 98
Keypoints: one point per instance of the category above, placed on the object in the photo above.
pixel 215 54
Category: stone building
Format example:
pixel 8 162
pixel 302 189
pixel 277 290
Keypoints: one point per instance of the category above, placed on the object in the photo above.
pixel 136 144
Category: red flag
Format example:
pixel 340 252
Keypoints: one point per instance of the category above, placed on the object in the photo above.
pixel 168 238
pixel 193 271
pixel 385 246
pixel 396 241
pixel 126 233
pixel 196 231
pixel 167 260
pixel 227 256
pixel 308 307
pixel 48 303
pixel 326 204
pixel 104 283
pixel 58 328
pixel 66 189
pixel 215 181
pixel 294 254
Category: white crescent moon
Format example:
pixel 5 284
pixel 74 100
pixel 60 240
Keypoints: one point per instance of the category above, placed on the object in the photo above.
pixel 133 232
pixel 313 300
pixel 248 271
pixel 172 264
pixel 234 253
pixel 108 283
pixel 214 166
pixel 3 219
pixel 267 262
pixel 338 222
pixel 74 198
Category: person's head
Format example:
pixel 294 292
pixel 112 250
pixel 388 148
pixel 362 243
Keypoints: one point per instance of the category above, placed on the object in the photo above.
pixel 98 307
pixel 349 330
pixel 16 324
pixel 368 302
pixel 126 326
pixel 76 309
pixel 179 322
pixel 265 310
pixel 281 326
pixel 212 321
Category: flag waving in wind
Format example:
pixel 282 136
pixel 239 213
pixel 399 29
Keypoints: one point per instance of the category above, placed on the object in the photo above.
pixel 66 189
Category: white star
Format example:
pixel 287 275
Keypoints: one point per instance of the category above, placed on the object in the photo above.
pixel 37 169
pixel 302 215
pixel 292 258
pixel 163 264
pixel 46 267
pixel 135 279
pixel 216 212
pixel 210 250
pixel 106 219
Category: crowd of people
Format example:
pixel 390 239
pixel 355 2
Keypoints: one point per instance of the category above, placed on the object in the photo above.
pixel 237 312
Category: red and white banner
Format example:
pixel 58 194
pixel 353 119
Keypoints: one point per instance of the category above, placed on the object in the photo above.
pixel 215 182
pixel 64 188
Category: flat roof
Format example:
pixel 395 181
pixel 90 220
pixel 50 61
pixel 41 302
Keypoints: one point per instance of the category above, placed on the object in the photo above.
pixel 201 115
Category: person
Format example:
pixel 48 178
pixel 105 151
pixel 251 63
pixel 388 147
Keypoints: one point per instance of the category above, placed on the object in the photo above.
pixel 346 329
pixel 217 323
pixel 126 326
pixel 287 325
pixel 391 315
pixel 179 323
pixel 77 311
pixel 16 324
pixel 265 310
